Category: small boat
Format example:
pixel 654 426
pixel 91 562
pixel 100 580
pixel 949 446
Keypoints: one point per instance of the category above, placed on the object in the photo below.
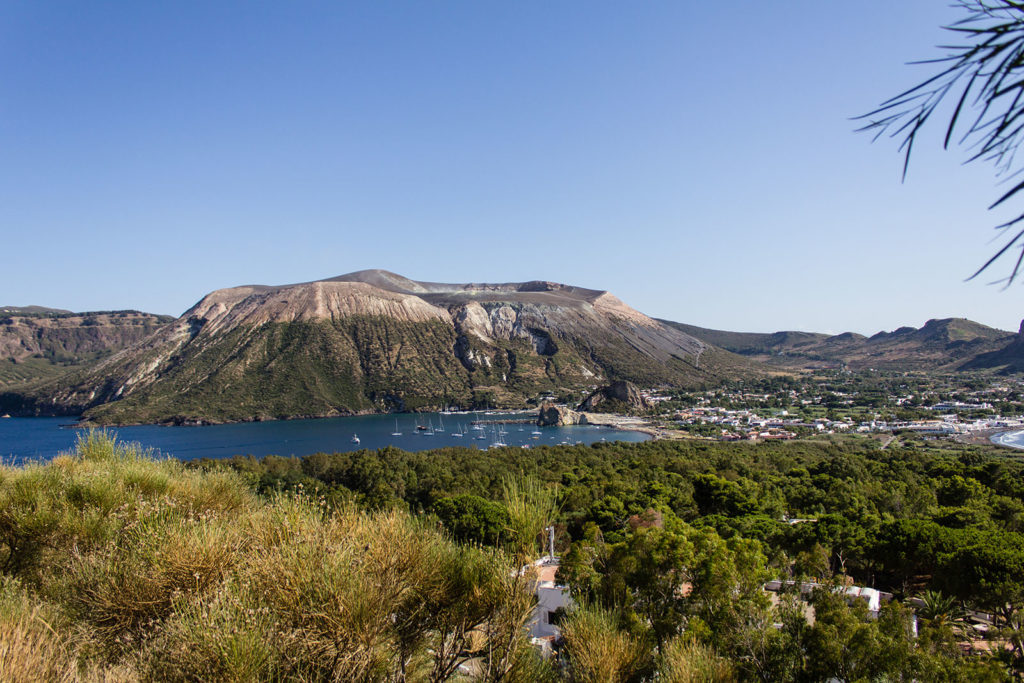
pixel 536 432
pixel 396 432
pixel 355 438
pixel 498 441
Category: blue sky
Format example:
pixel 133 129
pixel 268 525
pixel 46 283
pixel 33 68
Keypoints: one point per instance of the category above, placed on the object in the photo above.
pixel 696 159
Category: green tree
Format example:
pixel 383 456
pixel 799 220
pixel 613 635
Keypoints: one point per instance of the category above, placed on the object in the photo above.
pixel 473 519
pixel 843 643
pixel 715 495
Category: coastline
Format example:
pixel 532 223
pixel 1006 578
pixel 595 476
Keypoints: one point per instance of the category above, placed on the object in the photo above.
pixel 626 423
pixel 994 436
pixel 987 437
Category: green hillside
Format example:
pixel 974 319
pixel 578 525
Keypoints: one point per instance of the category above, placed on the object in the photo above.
pixel 373 341
pixel 370 364
pixel 943 344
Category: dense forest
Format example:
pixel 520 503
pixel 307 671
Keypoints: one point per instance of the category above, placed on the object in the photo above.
pixel 398 566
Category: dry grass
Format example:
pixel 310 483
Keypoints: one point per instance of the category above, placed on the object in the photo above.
pixel 30 649
pixel 149 571
pixel 531 506
pixel 126 588
pixel 598 651
pixel 683 661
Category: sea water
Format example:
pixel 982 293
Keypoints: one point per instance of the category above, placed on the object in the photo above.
pixel 41 438
pixel 1011 439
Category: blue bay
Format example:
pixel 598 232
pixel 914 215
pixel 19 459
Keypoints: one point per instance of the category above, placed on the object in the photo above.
pixel 41 438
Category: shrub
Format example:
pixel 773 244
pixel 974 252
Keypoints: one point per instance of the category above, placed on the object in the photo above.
pixel 598 651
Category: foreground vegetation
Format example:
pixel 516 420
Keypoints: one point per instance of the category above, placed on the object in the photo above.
pixel 639 525
pixel 119 567
pixel 395 566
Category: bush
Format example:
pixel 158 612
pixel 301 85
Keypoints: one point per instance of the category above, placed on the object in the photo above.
pixel 119 566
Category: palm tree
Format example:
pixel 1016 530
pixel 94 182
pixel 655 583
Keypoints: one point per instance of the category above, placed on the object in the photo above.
pixel 942 611
pixel 986 76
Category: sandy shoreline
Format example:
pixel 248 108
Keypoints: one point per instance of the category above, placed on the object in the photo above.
pixel 984 437
pixel 1005 431
pixel 626 423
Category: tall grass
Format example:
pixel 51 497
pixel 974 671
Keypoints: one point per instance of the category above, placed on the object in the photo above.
pixel 597 650
pixel 684 661
pixel 30 649
pixel 531 507
pixel 122 567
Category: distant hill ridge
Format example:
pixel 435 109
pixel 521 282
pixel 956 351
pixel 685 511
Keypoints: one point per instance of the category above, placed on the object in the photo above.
pixel 38 343
pixel 32 310
pixel 43 311
pixel 375 341
pixel 948 344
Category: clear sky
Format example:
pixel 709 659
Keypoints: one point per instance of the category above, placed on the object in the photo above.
pixel 697 159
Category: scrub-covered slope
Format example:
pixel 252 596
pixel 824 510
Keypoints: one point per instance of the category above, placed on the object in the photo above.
pixel 373 341
pixel 950 344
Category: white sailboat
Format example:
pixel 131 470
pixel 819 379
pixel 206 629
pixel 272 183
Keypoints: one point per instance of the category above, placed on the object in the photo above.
pixel 396 432
pixel 498 441
pixel 355 438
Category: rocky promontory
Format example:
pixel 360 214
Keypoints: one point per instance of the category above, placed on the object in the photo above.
pixel 618 397
pixel 551 415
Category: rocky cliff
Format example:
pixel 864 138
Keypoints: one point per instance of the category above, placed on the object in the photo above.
pixel 551 415
pixel 37 342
